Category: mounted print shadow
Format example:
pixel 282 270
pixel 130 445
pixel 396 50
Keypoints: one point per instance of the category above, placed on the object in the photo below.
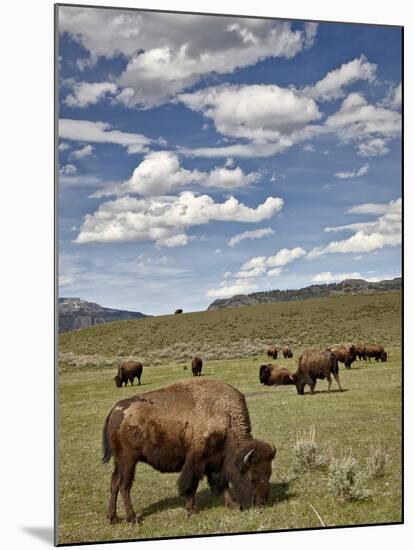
pixel 228 251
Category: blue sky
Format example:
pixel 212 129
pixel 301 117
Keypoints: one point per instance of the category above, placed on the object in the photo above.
pixel 202 157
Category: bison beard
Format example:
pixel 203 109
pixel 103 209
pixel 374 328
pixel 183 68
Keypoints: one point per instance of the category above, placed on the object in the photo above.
pixel 196 427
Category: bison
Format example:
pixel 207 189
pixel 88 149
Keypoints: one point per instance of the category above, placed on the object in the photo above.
pixel 272 352
pixel 128 371
pixel 197 427
pixel 361 352
pixel 314 364
pixel 377 351
pixel 196 365
pixel 178 311
pixel 273 375
pixel 344 354
pixel 287 352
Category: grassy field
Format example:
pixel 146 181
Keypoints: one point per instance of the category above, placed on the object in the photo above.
pixel 237 333
pixel 367 413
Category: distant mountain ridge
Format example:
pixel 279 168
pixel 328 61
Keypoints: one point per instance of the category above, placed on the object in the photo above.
pixel 75 313
pixel 348 286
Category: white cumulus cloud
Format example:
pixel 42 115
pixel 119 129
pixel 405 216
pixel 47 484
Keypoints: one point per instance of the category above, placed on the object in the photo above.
pixel 385 231
pixel 101 132
pixel 162 219
pixel 255 234
pixel 353 173
pixel 83 152
pixel 89 93
pixel 329 277
pixel 240 286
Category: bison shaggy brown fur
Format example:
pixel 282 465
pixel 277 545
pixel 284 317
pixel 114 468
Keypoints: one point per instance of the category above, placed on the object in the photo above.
pixel 377 351
pixel 272 352
pixel 314 364
pixel 128 371
pixel 361 352
pixel 196 365
pixel 273 375
pixel 345 354
pixel 197 427
pixel 287 352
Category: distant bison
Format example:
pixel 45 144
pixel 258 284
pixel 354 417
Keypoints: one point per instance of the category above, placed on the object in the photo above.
pixel 314 364
pixel 177 311
pixel 344 354
pixel 196 427
pixel 273 375
pixel 128 371
pixel 272 352
pixel 377 351
pixel 361 352
pixel 287 352
pixel 196 365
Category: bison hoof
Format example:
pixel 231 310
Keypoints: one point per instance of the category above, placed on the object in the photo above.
pixel 113 520
pixel 134 519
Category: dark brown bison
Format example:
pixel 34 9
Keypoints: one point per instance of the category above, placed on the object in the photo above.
pixel 273 375
pixel 272 352
pixel 196 427
pixel 287 352
pixel 377 351
pixel 196 365
pixel 314 364
pixel 344 354
pixel 128 371
pixel 360 351
pixel 177 311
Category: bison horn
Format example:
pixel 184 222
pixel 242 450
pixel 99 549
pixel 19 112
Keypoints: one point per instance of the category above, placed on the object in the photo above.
pixel 246 458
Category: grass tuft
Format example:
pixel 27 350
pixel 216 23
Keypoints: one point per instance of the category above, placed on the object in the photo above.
pixel 307 455
pixel 346 478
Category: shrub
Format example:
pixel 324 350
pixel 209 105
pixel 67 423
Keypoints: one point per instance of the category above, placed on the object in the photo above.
pixel 306 453
pixel 346 478
pixel 377 461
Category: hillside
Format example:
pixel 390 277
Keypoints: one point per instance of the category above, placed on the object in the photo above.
pixel 348 286
pixel 75 313
pixel 241 332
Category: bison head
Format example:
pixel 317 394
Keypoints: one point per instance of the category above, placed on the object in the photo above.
pixel 252 471
pixel 384 356
pixel 264 373
pixel 118 382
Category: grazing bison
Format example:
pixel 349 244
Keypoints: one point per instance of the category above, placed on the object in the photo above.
pixel 196 427
pixel 344 354
pixel 273 375
pixel 360 351
pixel 128 371
pixel 314 364
pixel 272 352
pixel 196 365
pixel 287 352
pixel 177 311
pixel 377 351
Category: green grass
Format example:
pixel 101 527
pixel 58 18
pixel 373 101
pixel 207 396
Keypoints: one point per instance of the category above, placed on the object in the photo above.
pixel 367 414
pixel 238 332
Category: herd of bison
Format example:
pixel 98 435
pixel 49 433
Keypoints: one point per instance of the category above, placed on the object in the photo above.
pixel 201 427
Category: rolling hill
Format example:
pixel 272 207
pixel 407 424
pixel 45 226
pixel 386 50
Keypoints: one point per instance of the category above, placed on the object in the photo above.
pixel 238 332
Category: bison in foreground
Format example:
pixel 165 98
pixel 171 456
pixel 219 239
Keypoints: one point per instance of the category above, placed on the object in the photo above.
pixel 377 351
pixel 197 365
pixel 314 364
pixel 344 354
pixel 287 352
pixel 273 375
pixel 128 371
pixel 272 352
pixel 196 427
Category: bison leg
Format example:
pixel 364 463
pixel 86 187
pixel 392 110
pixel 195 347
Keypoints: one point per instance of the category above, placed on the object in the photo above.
pixel 126 478
pixel 113 518
pixel 329 378
pixel 229 500
pixel 191 473
pixel 336 375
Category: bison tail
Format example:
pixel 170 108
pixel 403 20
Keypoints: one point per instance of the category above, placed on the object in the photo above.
pixel 106 447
